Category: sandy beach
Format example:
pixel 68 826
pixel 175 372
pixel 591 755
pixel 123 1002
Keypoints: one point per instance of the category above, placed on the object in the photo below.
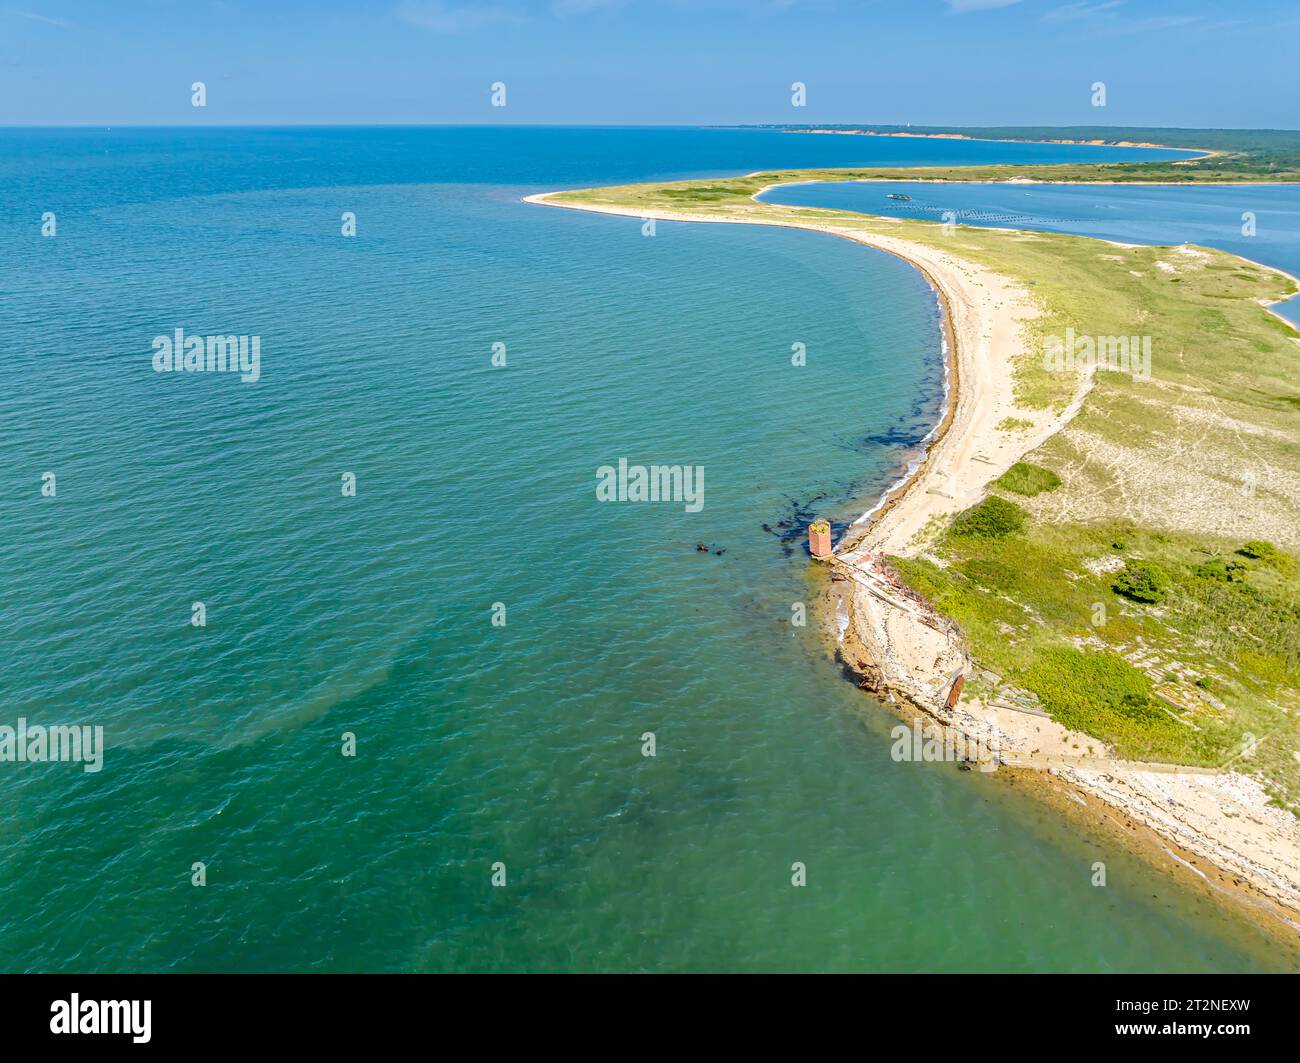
pixel 1179 818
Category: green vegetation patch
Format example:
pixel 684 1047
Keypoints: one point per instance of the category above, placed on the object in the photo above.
pixel 710 193
pixel 1103 695
pixel 1026 478
pixel 1224 646
pixel 994 518
pixel 1225 571
pixel 1013 424
pixel 1267 554
pixel 1142 581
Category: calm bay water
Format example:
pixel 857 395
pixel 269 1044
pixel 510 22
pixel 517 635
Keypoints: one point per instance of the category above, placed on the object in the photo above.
pixel 371 615
pixel 1260 222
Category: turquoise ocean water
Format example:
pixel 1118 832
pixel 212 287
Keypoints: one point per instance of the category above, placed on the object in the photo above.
pixel 475 485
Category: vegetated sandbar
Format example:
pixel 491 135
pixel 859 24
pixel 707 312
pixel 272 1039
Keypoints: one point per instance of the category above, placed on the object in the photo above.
pixel 1223 155
pixel 1016 552
pixel 1090 142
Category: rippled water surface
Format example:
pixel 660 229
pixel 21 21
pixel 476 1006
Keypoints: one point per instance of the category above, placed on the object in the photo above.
pixel 372 615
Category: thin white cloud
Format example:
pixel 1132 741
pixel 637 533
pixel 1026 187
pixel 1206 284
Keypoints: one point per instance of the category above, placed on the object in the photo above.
pixel 1105 19
pixel 1079 11
pixel 31 16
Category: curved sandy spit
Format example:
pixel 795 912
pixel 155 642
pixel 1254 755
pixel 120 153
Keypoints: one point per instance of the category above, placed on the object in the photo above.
pixel 1215 832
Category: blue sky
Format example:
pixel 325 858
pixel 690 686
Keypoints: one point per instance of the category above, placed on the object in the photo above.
pixel 935 62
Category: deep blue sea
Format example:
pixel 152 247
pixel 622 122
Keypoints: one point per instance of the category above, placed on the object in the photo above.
pixel 489 640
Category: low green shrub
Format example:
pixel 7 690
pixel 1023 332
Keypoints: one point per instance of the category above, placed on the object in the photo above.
pixel 994 518
pixel 1266 553
pixel 1223 571
pixel 1142 581
pixel 1025 478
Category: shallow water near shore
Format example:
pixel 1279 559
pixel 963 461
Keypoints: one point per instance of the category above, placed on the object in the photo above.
pixel 372 615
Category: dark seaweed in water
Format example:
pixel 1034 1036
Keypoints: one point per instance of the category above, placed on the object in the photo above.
pixel 908 430
pixel 904 438
pixel 901 434
pixel 792 526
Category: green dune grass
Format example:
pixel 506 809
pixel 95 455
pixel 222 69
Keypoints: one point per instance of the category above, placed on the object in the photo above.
pixel 1237 154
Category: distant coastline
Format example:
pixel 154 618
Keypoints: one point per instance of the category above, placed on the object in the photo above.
pixel 1206 153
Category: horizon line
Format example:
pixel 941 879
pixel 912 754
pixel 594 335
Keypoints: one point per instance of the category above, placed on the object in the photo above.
pixel 612 125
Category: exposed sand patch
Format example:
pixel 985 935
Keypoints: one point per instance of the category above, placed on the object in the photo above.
pixel 1150 486
pixel 1099 566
